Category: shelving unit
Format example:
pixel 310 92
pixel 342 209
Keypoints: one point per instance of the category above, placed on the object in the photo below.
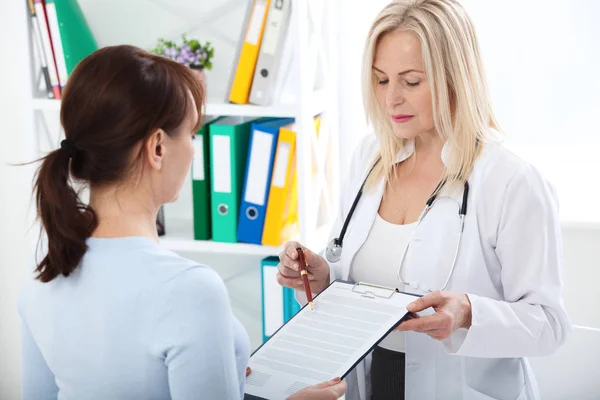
pixel 313 35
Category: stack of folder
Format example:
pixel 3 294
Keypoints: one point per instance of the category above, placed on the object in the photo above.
pixel 261 58
pixel 244 181
pixel 61 39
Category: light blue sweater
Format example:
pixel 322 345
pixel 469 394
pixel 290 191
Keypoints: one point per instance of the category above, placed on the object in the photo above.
pixel 134 321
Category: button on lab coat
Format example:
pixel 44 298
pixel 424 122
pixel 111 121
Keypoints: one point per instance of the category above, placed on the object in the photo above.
pixel 509 265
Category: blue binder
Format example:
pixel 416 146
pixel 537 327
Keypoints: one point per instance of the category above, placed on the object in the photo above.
pixel 257 182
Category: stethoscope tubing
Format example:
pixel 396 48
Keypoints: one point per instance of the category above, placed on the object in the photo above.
pixel 334 248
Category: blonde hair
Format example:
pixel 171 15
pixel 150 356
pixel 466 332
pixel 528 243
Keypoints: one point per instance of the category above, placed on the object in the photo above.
pixel 462 109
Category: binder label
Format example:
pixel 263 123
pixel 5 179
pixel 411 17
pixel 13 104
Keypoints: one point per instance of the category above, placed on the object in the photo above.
pixel 273 300
pixel 198 165
pixel 272 32
pixel 256 22
pixel 221 155
pixel 258 168
pixel 281 162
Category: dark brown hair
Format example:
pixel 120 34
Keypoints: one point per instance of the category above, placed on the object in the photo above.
pixel 114 100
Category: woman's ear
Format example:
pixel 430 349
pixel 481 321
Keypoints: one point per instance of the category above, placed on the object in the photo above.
pixel 155 149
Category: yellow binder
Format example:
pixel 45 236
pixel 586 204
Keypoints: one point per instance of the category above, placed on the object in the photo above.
pixel 281 219
pixel 242 81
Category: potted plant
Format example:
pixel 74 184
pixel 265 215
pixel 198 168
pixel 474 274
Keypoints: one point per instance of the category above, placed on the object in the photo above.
pixel 190 53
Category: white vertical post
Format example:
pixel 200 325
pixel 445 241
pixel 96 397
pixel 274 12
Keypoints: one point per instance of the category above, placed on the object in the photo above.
pixel 306 211
pixel 330 33
pixel 18 233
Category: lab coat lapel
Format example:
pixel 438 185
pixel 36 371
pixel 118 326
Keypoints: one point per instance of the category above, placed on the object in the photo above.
pixel 360 226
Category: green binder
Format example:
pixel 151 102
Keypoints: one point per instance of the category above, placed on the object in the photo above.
pixel 201 182
pixel 77 39
pixel 229 139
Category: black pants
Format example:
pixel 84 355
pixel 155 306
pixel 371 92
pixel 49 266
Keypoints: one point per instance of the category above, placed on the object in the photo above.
pixel 387 375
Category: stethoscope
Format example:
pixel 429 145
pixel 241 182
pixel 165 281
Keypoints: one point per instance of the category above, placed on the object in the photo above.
pixel 333 252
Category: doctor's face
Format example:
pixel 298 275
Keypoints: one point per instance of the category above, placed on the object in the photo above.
pixel 402 88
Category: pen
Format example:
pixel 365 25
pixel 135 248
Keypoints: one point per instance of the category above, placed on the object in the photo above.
pixel 303 265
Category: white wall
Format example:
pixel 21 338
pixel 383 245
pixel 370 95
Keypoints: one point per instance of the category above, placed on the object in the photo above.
pixel 542 59
pixel 353 25
pixel 16 238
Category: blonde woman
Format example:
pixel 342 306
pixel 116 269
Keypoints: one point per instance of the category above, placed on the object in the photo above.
pixel 434 205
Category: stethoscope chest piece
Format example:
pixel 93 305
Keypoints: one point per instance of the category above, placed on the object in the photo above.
pixel 334 250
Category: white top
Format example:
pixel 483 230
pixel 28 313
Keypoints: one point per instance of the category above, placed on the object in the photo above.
pixel 377 262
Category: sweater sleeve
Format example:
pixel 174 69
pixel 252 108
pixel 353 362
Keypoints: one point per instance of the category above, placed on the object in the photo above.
pixel 194 336
pixel 38 381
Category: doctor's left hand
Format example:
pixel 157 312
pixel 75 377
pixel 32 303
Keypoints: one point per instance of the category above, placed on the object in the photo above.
pixel 452 311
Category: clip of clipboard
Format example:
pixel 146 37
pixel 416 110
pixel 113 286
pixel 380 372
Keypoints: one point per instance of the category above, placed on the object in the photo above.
pixel 370 294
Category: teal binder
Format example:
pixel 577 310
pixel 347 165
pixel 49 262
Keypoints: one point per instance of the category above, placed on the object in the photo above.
pixel 290 305
pixel 278 303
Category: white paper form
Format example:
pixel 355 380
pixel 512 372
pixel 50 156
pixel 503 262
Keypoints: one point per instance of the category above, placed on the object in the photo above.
pixel 319 345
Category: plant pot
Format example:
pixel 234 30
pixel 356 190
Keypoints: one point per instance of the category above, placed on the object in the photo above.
pixel 201 75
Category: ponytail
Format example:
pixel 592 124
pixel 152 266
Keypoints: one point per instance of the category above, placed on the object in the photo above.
pixel 67 221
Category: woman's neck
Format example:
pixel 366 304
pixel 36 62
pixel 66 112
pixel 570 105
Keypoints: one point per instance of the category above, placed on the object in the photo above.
pixel 428 146
pixel 123 212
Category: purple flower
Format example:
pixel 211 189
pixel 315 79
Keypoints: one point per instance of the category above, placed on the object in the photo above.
pixel 196 61
pixel 186 52
pixel 170 52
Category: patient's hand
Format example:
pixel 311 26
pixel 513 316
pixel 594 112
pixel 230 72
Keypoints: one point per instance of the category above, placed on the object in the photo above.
pixel 329 390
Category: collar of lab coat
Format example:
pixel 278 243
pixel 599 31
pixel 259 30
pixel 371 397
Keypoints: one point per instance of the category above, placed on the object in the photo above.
pixel 409 149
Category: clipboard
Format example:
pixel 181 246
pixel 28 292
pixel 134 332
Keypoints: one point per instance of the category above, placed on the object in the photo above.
pixel 372 304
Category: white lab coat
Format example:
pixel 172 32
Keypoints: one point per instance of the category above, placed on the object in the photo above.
pixel 509 265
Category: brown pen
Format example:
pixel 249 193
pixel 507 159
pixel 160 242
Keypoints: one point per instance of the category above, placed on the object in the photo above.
pixel 303 265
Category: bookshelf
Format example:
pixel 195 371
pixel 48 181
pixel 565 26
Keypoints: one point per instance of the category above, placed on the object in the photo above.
pixel 313 40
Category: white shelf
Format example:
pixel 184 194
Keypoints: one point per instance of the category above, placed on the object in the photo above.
pixel 46 104
pixel 180 238
pixel 222 108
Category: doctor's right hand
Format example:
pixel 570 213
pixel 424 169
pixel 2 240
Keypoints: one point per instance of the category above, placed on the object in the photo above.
pixel 329 390
pixel 289 271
